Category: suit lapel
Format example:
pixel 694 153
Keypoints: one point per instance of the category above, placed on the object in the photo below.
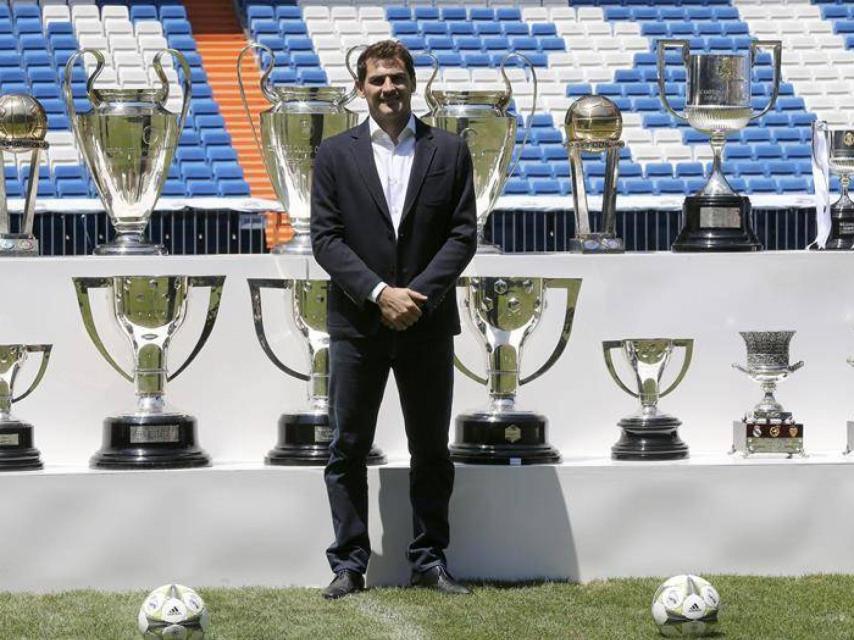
pixel 424 150
pixel 363 155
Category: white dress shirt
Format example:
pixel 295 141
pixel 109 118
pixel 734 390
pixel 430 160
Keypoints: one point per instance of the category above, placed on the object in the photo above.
pixel 394 165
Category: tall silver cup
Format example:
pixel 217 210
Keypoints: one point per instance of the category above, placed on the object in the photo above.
pixel 128 139
pixel 17 451
pixel 833 153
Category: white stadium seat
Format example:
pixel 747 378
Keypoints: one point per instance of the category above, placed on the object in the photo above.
pixel 92 41
pixel 148 28
pixel 323 26
pixel 152 43
pixel 343 13
pixel 115 11
pixel 88 11
pixel 117 25
pixel 315 11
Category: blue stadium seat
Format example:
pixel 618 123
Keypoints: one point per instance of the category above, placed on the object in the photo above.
pixel 404 28
pixel 413 43
pixel 227 170
pixel 689 169
pixel 433 28
pixel 214 136
pixel 396 13
pixel 538 170
pixel 174 187
pixel 545 186
pixel 669 185
pixel 189 154
pixel 461 28
pixel 453 13
pixel 440 43
pixel 200 188
pixel 233 188
pixel 659 170
pixel 175 26
pixel 426 13
pixel 312 75
pixel 71 188
pixel 476 59
pixel 181 42
pixel 487 29
pixel 516 186
pixel 449 59
pixel 289 12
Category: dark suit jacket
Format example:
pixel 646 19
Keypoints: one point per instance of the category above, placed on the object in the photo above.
pixel 354 241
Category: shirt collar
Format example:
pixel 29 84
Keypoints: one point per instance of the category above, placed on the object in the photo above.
pixel 376 130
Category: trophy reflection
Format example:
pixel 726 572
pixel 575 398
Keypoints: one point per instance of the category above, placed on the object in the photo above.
pixel 833 152
pixel 648 434
pixel 304 435
pixel 503 312
pixel 149 310
pixel 17 451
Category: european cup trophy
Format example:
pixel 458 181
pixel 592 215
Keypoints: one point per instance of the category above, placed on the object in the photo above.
pixel 833 152
pixel 717 102
pixel 149 310
pixel 594 124
pixel 304 435
pixel 648 434
pixel 23 126
pixel 482 119
pixel 17 451
pixel 503 312
pixel 127 140
pixel 767 428
pixel 291 130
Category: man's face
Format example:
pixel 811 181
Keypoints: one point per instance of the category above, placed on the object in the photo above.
pixel 387 89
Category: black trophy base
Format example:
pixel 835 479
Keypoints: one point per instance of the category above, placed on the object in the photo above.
pixel 304 440
pixel 716 223
pixel 507 438
pixel 841 237
pixel 17 452
pixel 165 441
pixel 649 439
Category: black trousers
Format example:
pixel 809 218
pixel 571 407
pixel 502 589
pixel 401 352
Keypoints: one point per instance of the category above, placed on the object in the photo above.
pixel 424 373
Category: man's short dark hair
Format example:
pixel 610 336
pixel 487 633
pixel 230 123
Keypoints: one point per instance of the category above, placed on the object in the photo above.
pixel 385 50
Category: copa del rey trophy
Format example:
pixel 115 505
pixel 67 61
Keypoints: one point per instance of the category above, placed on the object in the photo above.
pixel 23 126
pixel 833 153
pixel 149 310
pixel 17 451
pixel 128 139
pixel 717 102
pixel 503 312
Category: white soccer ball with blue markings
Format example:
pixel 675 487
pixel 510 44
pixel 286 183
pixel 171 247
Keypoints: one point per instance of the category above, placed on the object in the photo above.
pixel 685 606
pixel 173 611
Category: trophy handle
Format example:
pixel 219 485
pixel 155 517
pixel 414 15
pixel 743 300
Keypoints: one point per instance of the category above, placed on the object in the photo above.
pixel 572 287
pixel 90 82
pixel 741 368
pixel 527 62
pixel 44 349
pixel 354 91
pixel 607 347
pixel 794 367
pixel 428 91
pixel 688 345
pixel 255 286
pixel 82 286
pixel 777 51
pixel 186 85
pixel 464 282
pixel 215 283
pixel 265 88
pixel 662 46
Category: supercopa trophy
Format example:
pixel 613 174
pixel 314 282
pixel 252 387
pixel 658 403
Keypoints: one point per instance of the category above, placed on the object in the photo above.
pixel 304 435
pixel 833 152
pixel 23 126
pixel 594 124
pixel 503 312
pixel 301 117
pixel 128 139
pixel 481 118
pixel 648 434
pixel 149 310
pixel 767 428
pixel 718 103
pixel 17 452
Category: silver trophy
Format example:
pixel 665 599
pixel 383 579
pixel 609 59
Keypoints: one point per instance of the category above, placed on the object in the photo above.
pixel 503 312
pixel 304 435
pixel 594 124
pixel 17 452
pixel 717 102
pixel 23 126
pixel 649 434
pixel 149 310
pixel 767 428
pixel 301 117
pixel 128 139
pixel 833 152
pixel 481 118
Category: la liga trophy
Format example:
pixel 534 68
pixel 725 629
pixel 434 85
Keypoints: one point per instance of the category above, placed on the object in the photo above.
pixel 305 434
pixel 648 434
pixel 833 153
pixel 127 140
pixel 717 102
pixel 149 310
pixel 768 428
pixel 17 451
pixel 503 312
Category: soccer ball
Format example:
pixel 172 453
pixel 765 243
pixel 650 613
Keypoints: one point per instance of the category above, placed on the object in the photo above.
pixel 685 606
pixel 173 611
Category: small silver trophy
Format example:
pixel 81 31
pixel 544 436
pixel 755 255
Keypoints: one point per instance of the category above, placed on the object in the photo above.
pixel 833 152
pixel 717 102
pixel 23 126
pixel 128 140
pixel 482 119
pixel 149 310
pixel 594 124
pixel 17 452
pixel 301 117
pixel 767 428
pixel 304 435
pixel 503 312
pixel 648 434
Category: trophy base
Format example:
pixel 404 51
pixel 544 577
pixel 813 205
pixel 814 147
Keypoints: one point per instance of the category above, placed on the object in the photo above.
pixel 839 244
pixel 774 437
pixel 596 243
pixel 716 223
pixel 506 437
pixel 17 452
pixel 651 438
pixel 130 245
pixel 487 248
pixel 304 441
pixel 17 245
pixel 159 441
pixel 299 245
pixel 841 236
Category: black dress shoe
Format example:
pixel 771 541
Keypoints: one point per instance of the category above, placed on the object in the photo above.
pixel 439 579
pixel 345 583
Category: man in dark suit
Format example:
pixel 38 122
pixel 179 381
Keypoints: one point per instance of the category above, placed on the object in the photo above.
pixel 393 223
